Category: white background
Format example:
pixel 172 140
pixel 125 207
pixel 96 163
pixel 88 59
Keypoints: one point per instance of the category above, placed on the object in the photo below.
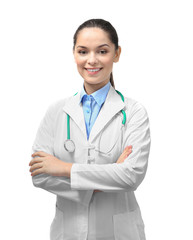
pixel 155 68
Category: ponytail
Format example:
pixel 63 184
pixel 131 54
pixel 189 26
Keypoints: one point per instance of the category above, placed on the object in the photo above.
pixel 111 80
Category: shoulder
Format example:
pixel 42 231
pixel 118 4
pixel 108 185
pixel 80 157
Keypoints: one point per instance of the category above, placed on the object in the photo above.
pixel 131 105
pixel 57 106
pixel 135 109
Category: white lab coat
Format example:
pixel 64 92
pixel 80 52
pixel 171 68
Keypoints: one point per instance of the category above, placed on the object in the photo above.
pixel 80 213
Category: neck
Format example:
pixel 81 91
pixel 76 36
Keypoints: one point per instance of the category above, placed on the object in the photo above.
pixel 90 88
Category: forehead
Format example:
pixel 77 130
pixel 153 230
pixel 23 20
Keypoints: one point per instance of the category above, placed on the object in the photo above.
pixel 94 36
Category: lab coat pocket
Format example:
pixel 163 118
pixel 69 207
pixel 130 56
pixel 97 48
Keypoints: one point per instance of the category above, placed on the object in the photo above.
pixel 129 225
pixel 56 229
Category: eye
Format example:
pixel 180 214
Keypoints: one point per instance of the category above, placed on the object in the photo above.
pixel 102 52
pixel 82 52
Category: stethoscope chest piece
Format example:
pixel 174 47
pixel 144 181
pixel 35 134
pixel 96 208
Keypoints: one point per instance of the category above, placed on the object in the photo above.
pixel 69 145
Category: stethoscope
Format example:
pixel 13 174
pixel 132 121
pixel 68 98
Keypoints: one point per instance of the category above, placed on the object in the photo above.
pixel 69 144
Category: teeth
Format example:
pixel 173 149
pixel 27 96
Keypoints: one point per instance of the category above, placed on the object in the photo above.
pixel 93 70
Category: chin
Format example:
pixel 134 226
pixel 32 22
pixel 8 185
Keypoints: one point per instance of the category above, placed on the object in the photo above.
pixel 91 80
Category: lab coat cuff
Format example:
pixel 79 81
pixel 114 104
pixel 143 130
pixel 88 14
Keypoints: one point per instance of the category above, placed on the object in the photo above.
pixel 75 185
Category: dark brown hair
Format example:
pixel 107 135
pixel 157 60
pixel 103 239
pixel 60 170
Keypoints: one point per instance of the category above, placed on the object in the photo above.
pixel 104 25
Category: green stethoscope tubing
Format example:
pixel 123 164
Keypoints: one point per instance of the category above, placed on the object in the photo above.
pixel 68 126
pixel 71 143
pixel 123 112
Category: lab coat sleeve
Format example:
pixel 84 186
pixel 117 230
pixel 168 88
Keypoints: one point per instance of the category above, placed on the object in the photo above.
pixel 60 186
pixel 124 176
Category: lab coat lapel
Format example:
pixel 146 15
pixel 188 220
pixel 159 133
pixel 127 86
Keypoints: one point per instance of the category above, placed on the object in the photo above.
pixel 74 109
pixel 110 108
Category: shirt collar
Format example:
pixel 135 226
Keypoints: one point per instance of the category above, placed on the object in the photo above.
pixel 99 95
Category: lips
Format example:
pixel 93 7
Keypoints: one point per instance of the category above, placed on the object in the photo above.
pixel 93 71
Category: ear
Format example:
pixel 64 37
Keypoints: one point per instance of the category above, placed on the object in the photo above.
pixel 117 54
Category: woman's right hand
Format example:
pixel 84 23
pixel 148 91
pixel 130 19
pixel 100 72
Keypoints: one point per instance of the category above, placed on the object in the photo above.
pixel 127 151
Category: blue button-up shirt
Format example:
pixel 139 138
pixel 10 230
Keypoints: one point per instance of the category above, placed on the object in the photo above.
pixel 92 105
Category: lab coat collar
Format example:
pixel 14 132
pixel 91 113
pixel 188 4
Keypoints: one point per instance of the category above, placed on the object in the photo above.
pixel 73 108
pixel 99 95
pixel 110 108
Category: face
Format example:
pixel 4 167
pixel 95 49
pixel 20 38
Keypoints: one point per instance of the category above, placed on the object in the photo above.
pixel 94 55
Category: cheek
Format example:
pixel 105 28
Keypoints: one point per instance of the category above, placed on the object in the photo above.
pixel 79 61
pixel 108 60
pixel 108 63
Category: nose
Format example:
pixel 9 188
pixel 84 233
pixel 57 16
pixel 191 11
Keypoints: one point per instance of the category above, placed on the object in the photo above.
pixel 92 59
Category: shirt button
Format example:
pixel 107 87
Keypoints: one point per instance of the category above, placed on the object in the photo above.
pixel 87 111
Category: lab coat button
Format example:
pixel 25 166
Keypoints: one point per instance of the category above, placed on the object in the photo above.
pixel 91 160
pixel 91 150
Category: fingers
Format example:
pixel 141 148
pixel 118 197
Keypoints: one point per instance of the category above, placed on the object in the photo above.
pixel 35 166
pixel 37 171
pixel 35 160
pixel 97 190
pixel 40 154
pixel 36 163
pixel 128 148
pixel 126 152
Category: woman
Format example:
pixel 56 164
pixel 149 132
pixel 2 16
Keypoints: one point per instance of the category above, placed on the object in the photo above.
pixel 95 172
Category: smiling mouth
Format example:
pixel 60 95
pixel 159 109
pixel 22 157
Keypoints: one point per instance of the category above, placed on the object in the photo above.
pixel 93 69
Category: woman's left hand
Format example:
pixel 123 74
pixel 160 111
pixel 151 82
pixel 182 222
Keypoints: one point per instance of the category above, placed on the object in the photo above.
pixel 47 163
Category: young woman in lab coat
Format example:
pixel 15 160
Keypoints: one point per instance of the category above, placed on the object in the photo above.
pixel 95 182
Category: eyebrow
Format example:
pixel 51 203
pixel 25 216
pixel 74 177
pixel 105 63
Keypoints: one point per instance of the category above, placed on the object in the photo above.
pixel 103 45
